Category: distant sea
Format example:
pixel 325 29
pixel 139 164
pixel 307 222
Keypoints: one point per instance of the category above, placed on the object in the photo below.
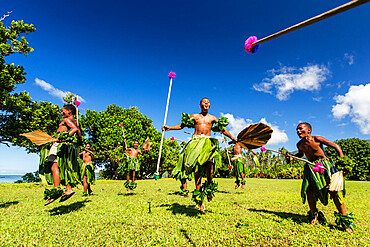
pixel 13 178
pixel 10 178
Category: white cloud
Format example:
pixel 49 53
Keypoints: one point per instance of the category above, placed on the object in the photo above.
pixel 54 91
pixel 237 124
pixel 355 104
pixel 282 82
pixel 349 58
pixel 318 99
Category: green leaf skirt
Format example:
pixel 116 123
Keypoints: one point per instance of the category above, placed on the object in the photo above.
pixel 239 167
pixel 320 183
pixel 129 164
pixel 195 154
pixel 88 169
pixel 69 167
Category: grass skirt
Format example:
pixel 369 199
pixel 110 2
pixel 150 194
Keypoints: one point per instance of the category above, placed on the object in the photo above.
pixel 69 168
pixel 88 169
pixel 195 154
pixel 319 182
pixel 129 164
pixel 239 167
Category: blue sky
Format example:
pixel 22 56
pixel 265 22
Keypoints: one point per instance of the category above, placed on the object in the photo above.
pixel 120 52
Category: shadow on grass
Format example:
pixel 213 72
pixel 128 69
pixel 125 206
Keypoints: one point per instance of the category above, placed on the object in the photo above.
pixel 222 192
pixel 187 237
pixel 7 204
pixel 297 218
pixel 175 193
pixel 126 194
pixel 182 209
pixel 66 209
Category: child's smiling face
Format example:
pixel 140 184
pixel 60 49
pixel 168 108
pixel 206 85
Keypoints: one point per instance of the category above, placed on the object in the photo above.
pixel 66 113
pixel 303 130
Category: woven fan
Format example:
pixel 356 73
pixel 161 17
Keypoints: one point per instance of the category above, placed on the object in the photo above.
pixel 254 136
pixel 38 137
pixel 147 145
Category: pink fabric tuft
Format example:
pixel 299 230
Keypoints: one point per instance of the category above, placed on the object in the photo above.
pixel 172 75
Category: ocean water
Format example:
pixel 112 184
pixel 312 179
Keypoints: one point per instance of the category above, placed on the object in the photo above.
pixel 13 178
pixel 10 178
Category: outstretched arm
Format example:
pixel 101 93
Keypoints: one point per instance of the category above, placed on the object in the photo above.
pixel 227 133
pixel 289 157
pixel 175 127
pixel 330 144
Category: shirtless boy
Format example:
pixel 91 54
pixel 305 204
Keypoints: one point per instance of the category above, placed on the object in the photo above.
pixel 87 170
pixel 63 172
pixel 131 165
pixel 201 154
pixel 312 148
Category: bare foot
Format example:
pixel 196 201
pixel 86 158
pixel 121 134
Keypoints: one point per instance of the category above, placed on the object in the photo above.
pixel 349 230
pixel 243 187
pixel 68 192
pixel 132 191
pixel 202 207
pixel 314 221
pixel 236 186
pixel 49 201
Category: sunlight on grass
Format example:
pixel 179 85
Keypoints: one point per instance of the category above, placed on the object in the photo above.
pixel 268 212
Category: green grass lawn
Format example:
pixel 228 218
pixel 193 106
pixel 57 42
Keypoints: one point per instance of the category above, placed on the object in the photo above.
pixel 267 213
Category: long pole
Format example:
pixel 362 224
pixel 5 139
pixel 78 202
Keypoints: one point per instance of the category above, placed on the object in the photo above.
pixel 77 110
pixel 227 152
pixel 312 20
pixel 123 133
pixel 164 123
pixel 294 157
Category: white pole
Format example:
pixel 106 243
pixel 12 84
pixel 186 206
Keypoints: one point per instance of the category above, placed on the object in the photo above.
pixel 77 110
pixel 164 123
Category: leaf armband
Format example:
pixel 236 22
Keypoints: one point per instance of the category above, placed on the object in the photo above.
pixel 53 193
pixel 130 185
pixel 187 121
pixel 198 197
pixel 210 189
pixel 346 221
pixel 220 125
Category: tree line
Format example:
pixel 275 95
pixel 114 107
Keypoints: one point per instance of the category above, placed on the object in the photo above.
pixel 20 114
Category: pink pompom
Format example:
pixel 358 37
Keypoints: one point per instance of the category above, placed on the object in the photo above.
pixel 172 138
pixel 120 125
pixel 263 149
pixel 315 169
pixel 77 103
pixel 249 44
pixel 172 75
pixel 321 170
pixel 230 167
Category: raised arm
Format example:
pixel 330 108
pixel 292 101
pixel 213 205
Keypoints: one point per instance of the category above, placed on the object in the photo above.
pixel 227 133
pixel 289 157
pixel 175 127
pixel 330 144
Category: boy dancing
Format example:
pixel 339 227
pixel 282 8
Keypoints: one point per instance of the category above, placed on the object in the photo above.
pixel 315 184
pixel 130 165
pixel 87 170
pixel 201 154
pixel 59 165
